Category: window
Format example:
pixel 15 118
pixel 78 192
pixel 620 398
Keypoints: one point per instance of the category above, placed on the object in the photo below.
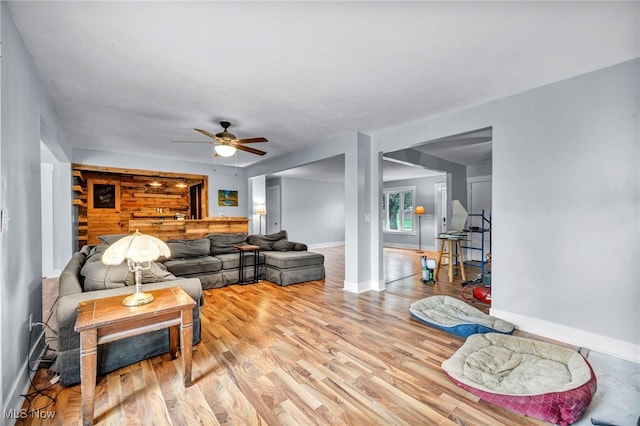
pixel 397 209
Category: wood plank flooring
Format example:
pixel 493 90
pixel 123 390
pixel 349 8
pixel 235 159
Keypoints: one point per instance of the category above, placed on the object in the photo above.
pixel 306 354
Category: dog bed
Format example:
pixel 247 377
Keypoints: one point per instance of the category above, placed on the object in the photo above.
pixel 532 378
pixel 457 317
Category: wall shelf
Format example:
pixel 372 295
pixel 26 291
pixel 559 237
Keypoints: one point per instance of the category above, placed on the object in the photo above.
pixel 153 214
pixel 78 174
pixel 148 195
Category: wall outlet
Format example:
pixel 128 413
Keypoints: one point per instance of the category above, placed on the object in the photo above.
pixel 30 322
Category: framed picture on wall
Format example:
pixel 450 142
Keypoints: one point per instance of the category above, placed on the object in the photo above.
pixel 103 195
pixel 227 198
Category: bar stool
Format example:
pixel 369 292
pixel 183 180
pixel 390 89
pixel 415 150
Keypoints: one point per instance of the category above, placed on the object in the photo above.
pixel 451 247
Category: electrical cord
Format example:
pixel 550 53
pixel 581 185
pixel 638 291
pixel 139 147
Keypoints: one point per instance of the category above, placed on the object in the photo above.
pixel 37 392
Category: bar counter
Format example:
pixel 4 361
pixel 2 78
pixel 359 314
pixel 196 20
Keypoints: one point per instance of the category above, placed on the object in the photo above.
pixel 171 229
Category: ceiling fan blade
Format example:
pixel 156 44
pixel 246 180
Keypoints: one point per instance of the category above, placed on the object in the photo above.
pixel 252 140
pixel 249 149
pixel 204 132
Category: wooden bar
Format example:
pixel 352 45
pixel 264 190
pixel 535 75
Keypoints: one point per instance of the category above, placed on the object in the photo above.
pixel 169 229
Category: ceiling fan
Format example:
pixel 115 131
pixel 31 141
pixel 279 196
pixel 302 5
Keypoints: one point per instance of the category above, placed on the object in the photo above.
pixel 227 143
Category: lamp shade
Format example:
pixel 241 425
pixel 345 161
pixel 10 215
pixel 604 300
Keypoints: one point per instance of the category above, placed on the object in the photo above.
pixel 260 209
pixel 136 247
pixel 225 150
pixel 420 210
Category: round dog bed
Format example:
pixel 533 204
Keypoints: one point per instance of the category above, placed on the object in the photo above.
pixel 457 317
pixel 532 378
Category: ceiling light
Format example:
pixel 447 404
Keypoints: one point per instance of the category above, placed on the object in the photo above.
pixel 181 183
pixel 225 150
pixel 155 183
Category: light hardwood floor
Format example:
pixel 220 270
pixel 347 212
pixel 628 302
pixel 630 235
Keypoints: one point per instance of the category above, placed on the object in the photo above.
pixel 299 355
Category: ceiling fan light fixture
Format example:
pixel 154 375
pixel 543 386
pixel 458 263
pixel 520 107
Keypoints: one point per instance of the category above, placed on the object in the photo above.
pixel 225 150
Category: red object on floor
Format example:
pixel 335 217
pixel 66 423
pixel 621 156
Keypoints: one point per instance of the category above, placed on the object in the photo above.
pixel 483 294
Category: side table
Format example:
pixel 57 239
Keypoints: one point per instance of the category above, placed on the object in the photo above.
pixel 242 249
pixel 106 320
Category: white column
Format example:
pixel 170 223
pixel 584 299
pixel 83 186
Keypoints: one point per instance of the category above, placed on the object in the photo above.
pixel 362 226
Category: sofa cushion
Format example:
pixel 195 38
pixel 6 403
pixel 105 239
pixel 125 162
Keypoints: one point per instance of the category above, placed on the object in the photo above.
pixel 292 259
pixel 194 265
pixel 223 243
pixel 288 276
pixel 189 248
pixel 98 276
pixel 266 241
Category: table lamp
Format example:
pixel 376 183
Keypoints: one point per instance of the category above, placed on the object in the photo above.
pixel 139 250
pixel 419 211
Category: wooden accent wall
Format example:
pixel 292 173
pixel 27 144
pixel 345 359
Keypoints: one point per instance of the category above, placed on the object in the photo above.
pixel 108 198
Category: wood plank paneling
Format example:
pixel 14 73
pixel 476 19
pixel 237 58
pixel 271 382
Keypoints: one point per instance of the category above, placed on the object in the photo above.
pixel 135 198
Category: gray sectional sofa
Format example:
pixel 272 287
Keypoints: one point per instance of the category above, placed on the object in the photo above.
pixel 216 262
pixel 194 265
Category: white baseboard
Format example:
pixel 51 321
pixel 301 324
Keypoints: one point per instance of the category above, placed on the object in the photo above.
pixel 410 247
pixel 21 383
pixel 326 245
pixel 364 286
pixel 573 336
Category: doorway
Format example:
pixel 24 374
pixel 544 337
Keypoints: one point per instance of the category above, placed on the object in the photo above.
pixel 195 206
pixel 440 217
pixel 47 210
pixel 273 209
pixel 479 192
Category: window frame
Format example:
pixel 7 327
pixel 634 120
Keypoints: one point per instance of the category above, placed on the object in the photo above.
pixel 384 211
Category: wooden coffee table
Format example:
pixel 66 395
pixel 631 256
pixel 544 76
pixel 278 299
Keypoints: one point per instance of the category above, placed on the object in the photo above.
pixel 107 320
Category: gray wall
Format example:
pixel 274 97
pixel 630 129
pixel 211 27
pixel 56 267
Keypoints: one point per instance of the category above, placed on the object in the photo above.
pixel 26 118
pixel 313 211
pixel 566 202
pixel 425 196
pixel 566 195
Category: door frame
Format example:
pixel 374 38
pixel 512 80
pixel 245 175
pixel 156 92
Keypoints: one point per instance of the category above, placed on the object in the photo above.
pixel 441 203
pixel 273 218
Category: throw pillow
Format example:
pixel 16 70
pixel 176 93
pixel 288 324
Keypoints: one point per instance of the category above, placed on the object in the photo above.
pixel 98 276
pixel 266 241
pixel 110 239
pixel 299 247
pixel 223 243
pixel 283 245
pixel 181 249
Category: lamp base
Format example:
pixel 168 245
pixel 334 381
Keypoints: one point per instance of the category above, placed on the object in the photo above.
pixel 137 299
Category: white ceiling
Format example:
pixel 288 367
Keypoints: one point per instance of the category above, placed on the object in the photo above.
pixel 132 76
